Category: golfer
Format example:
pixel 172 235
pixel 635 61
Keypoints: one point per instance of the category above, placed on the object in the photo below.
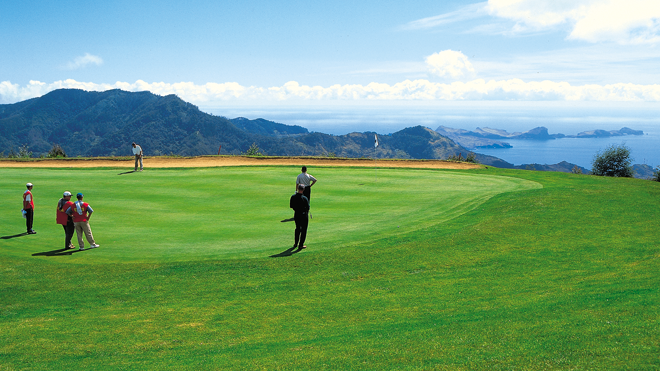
pixel 64 219
pixel 300 204
pixel 81 212
pixel 28 207
pixel 308 181
pixel 137 151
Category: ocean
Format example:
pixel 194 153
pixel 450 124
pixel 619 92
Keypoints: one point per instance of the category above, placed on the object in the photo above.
pixel 558 117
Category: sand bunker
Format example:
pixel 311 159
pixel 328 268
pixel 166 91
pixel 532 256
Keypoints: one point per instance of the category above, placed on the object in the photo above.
pixel 214 161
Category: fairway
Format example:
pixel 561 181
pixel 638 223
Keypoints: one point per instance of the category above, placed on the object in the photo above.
pixel 407 269
pixel 192 214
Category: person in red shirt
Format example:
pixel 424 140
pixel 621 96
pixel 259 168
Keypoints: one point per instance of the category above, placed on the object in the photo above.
pixel 81 212
pixel 65 220
pixel 28 206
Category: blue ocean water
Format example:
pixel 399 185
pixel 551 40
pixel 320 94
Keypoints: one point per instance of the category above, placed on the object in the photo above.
pixel 510 116
pixel 579 151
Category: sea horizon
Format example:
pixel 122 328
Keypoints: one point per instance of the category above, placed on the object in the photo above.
pixel 512 117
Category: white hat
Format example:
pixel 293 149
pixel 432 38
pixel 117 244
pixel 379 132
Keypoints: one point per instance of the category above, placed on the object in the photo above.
pixel 29 185
pixel 66 193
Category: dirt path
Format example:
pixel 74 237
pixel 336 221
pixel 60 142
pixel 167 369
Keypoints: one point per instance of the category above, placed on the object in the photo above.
pixel 213 161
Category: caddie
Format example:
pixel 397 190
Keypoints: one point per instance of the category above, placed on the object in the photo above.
pixel 64 219
pixel 81 212
pixel 28 207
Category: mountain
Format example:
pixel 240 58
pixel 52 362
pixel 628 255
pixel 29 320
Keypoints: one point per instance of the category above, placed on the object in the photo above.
pixel 469 139
pixel 606 133
pixel 265 127
pixel 564 167
pixel 106 123
pixel 643 171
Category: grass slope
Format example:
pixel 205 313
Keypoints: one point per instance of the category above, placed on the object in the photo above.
pixel 558 277
pixel 210 213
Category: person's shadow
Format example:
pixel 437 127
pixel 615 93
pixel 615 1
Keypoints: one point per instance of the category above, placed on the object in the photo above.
pixel 60 252
pixel 128 172
pixel 288 252
pixel 14 236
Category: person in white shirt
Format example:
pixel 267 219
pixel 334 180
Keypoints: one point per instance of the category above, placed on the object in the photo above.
pixel 137 151
pixel 308 181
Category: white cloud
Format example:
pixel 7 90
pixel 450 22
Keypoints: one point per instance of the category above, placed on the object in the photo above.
pixel 468 12
pixel 620 21
pixel 450 64
pixel 84 61
pixel 408 90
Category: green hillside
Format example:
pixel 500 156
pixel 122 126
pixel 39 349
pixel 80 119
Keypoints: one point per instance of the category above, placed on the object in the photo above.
pixel 406 269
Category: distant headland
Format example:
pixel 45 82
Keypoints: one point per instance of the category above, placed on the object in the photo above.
pixel 491 138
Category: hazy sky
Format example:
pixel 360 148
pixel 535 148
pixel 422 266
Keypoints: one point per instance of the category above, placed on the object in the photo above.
pixel 215 53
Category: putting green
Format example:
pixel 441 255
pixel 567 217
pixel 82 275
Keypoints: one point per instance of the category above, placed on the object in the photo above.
pixel 233 212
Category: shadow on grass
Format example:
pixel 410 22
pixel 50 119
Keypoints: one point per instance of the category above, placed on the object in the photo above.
pixel 288 252
pixel 286 220
pixel 19 235
pixel 60 252
pixel 128 172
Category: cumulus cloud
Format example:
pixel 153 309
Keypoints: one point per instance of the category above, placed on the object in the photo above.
pixel 408 90
pixel 83 61
pixel 450 64
pixel 621 21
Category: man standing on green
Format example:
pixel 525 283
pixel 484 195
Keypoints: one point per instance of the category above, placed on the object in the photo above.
pixel 28 207
pixel 81 212
pixel 300 204
pixel 65 220
pixel 137 151
pixel 308 181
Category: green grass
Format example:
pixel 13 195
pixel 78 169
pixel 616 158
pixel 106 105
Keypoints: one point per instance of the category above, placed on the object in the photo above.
pixel 236 213
pixel 417 270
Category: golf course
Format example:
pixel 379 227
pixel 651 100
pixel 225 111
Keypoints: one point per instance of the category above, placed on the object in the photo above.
pixel 407 268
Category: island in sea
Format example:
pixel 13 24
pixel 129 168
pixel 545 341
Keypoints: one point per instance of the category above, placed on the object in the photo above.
pixel 492 138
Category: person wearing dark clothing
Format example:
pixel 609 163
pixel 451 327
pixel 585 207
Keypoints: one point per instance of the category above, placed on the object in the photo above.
pixel 300 204
pixel 65 220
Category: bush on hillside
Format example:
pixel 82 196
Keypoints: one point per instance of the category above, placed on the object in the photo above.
pixel 253 151
pixel 615 161
pixel 471 157
pixel 24 151
pixel 56 152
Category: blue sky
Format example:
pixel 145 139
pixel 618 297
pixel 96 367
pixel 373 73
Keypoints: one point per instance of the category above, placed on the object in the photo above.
pixel 252 53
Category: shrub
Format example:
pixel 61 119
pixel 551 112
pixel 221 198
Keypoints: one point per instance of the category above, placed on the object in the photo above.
pixel 253 151
pixel 56 152
pixel 576 170
pixel 614 161
pixel 24 152
pixel 471 157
